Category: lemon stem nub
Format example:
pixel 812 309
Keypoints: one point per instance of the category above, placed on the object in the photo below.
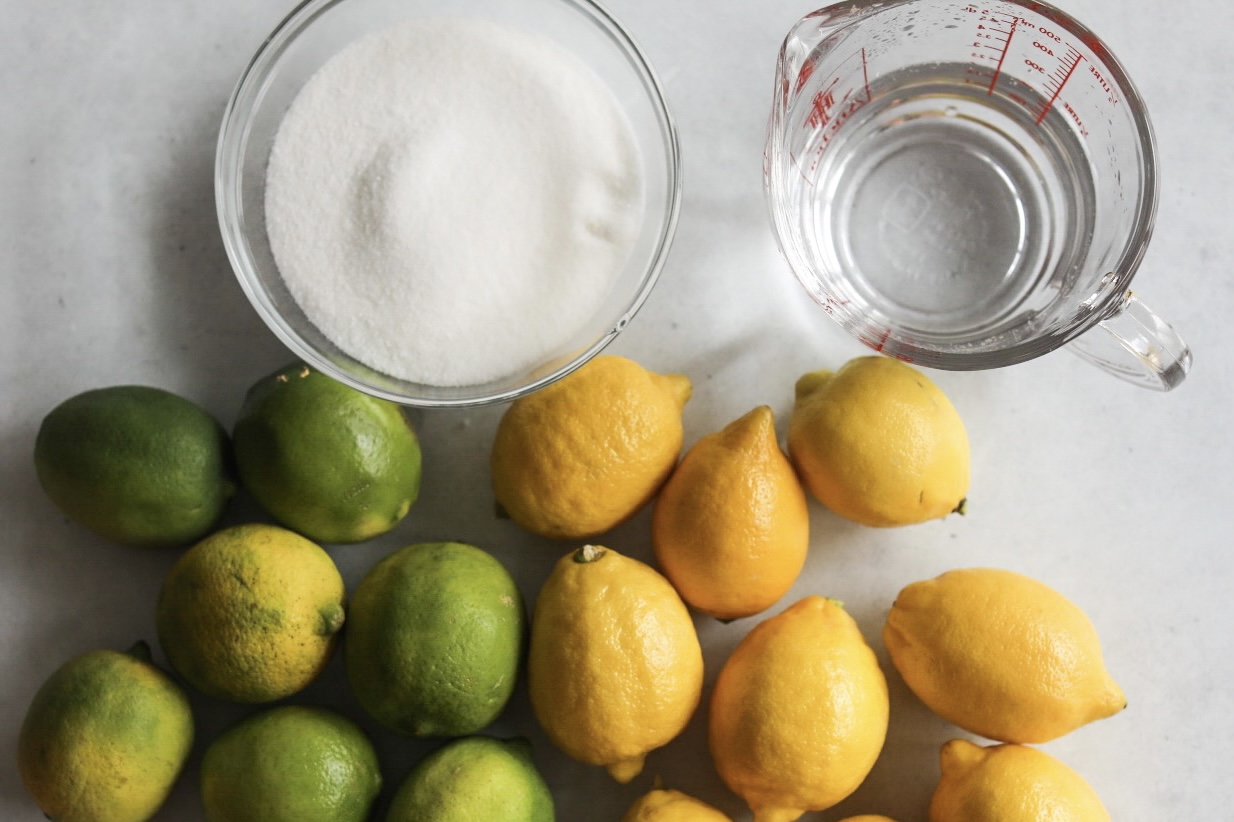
pixel 625 770
pixel 332 618
pixel 589 553
pixel 962 508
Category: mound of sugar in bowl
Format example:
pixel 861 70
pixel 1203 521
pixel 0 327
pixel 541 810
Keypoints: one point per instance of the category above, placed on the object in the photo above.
pixel 450 200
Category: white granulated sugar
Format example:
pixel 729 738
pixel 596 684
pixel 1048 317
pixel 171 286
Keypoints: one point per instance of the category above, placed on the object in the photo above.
pixel 450 200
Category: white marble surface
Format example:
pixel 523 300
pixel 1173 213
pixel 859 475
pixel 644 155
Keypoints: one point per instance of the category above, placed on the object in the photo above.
pixel 113 272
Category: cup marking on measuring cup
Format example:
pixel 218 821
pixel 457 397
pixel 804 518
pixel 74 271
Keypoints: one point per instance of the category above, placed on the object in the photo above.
pixel 826 114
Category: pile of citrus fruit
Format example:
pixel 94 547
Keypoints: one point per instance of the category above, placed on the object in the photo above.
pixel 436 637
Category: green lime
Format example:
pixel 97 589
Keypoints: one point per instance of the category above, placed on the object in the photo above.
pixel 294 763
pixel 135 464
pixel 325 459
pixel 435 638
pixel 471 779
pixel 105 738
pixel 251 613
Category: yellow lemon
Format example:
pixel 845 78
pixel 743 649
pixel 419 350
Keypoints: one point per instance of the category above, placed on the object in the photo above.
pixel 799 712
pixel 661 805
pixel 615 669
pixel 251 613
pixel 868 817
pixel 1010 783
pixel 1000 655
pixel 731 527
pixel 878 443
pixel 105 738
pixel 584 454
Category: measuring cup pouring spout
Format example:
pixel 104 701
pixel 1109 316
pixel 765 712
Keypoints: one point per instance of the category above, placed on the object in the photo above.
pixel 954 182
pixel 809 35
pixel 812 29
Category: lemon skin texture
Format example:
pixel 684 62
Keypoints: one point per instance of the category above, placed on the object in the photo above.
pixel 586 453
pixel 251 614
pixel 435 640
pixel 105 738
pixel 799 712
pixel 324 459
pixel 615 669
pixel 666 805
pixel 1010 783
pixel 731 528
pixel 293 763
pixel 878 443
pixel 1001 655
pixel 135 464
pixel 474 778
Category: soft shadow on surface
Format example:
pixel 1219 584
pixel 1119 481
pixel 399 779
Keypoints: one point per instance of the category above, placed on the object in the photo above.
pixel 215 339
pixel 901 783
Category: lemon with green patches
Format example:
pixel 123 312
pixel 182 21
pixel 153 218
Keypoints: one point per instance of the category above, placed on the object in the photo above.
pixel 105 738
pixel 251 614
pixel 435 639
pixel 324 459
pixel 294 763
pixel 474 778
pixel 136 464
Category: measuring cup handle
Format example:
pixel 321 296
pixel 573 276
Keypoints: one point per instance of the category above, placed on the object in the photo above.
pixel 1137 346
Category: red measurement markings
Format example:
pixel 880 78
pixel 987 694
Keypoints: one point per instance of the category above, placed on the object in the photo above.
pixel 806 70
pixel 881 342
pixel 1075 118
pixel 1004 37
pixel 821 105
pixel 1059 78
pixel 1106 87
pixel 865 74
pixel 828 113
pixel 991 42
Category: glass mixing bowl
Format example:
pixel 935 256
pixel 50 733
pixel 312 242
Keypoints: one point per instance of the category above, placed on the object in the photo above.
pixel 314 32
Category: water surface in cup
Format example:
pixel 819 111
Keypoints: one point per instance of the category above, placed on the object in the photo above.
pixel 949 210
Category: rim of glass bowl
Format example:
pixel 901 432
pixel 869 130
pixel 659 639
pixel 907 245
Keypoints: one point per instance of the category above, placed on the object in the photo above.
pixel 232 142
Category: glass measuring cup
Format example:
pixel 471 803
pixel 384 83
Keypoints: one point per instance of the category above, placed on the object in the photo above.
pixel 968 185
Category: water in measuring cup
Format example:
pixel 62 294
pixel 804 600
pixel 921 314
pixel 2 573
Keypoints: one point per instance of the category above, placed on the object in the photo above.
pixel 943 208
